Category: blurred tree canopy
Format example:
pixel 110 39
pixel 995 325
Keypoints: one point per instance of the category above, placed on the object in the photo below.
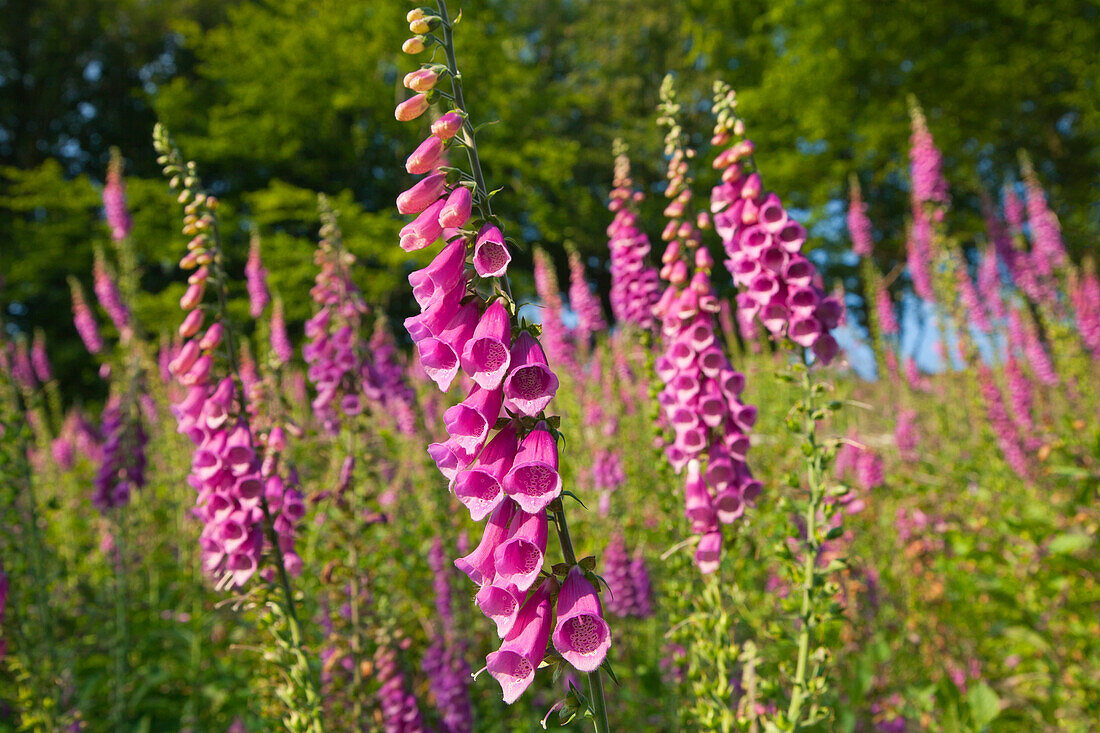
pixel 280 99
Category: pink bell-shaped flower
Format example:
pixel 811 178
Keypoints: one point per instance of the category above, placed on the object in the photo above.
pixel 469 422
pixel 581 635
pixel 439 354
pixel 531 384
pixel 479 487
pixel 479 564
pixel 491 256
pixel 514 664
pixel 519 558
pixel 533 480
pixel 487 355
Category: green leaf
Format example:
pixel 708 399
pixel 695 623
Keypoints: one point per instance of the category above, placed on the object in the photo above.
pixel 1068 543
pixel 984 705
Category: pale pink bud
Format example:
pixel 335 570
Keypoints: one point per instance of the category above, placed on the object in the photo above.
pixel 457 210
pixel 425 157
pixel 411 108
pixel 447 126
pixel 422 80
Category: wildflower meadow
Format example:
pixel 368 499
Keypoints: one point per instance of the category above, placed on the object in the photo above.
pixel 637 409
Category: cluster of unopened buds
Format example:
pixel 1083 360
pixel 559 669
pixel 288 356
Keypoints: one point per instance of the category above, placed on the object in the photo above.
pixel 509 477
pixel 763 243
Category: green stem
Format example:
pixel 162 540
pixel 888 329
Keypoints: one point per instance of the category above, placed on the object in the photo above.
pixel 118 703
pixel 810 548
pixel 353 563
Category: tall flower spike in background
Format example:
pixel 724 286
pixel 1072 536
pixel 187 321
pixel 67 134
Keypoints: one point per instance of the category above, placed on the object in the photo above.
pixel 635 285
pixel 84 319
pixel 701 398
pixel 114 200
pixel 554 338
pixel 232 501
pixel 586 305
pixel 782 289
pixel 928 198
pixel 779 286
pixel 510 472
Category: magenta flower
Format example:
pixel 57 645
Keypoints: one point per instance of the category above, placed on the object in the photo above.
pixel 40 360
pixel 635 286
pixel 479 487
pixel 280 341
pixel 122 467
pixel 425 158
pixel 499 465
pixel 884 306
pixel 1025 338
pixel 442 277
pixel 869 470
pixel 439 353
pixel 422 195
pixel 1004 431
pixel 533 481
pixel 905 434
pixel 456 211
pixel 256 280
pixel 424 230
pixel 581 635
pixel 109 297
pixel 443 663
pixel 925 163
pixel 531 384
pixel 514 664
pixel 586 305
pixel 780 286
pixel 859 226
pixel 469 422
pixel 518 560
pixel 400 713
pixel 114 201
pixel 708 552
pixel 480 564
pixel 83 319
pixel 558 347
pixel 486 357
pixel 968 297
pixel 1085 298
pixel 500 604
pixel 491 255
pixel 1048 253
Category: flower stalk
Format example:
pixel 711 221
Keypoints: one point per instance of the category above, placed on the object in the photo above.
pixel 501 456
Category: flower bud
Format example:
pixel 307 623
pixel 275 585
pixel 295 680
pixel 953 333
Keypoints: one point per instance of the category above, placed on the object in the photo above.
pixel 425 157
pixel 425 25
pixel 421 80
pixel 192 297
pixel 447 126
pixel 411 108
pixel 413 45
